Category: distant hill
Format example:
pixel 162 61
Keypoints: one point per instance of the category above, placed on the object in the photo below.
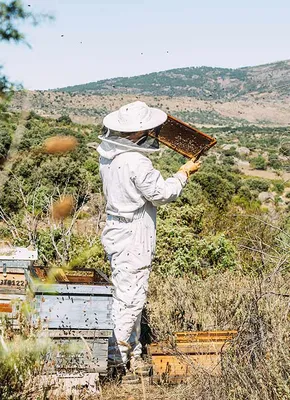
pixel 205 83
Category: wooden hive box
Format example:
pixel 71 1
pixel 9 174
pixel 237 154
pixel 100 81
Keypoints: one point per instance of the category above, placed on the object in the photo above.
pixel 75 310
pixel 191 351
pixel 14 265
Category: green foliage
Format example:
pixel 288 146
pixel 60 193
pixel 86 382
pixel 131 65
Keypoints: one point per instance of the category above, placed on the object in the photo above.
pixel 198 82
pixel 5 142
pixel 40 173
pixel 64 119
pixel 191 231
pixel 179 251
pixel 246 193
pixel 278 186
pixel 260 185
pixel 230 152
pixel 285 149
pixel 259 162
pixel 12 13
pixel 20 359
pixel 274 162
pixel 219 191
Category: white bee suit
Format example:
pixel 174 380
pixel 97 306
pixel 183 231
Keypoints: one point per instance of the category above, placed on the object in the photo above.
pixel 133 189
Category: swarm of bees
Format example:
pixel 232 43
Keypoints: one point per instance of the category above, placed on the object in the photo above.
pixel 63 207
pixel 60 144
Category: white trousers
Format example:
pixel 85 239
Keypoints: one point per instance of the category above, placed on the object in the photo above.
pixel 130 247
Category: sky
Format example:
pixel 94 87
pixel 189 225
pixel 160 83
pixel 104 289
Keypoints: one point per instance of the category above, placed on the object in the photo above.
pixel 112 38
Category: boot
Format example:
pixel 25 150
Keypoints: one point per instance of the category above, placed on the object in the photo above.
pixel 140 367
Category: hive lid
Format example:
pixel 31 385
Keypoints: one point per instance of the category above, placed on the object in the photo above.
pixel 17 253
pixel 183 138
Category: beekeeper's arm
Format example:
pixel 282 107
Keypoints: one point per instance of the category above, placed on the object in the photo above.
pixel 154 188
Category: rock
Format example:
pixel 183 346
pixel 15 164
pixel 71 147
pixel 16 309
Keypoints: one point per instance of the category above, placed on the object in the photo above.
pixel 243 151
pixel 228 146
pixel 266 196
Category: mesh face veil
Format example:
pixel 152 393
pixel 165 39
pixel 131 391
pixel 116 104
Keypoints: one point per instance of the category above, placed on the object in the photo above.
pixel 139 140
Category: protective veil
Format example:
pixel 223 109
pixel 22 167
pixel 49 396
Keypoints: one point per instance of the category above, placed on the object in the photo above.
pixel 133 189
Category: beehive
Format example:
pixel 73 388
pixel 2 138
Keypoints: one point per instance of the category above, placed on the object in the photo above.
pixel 14 265
pixel 76 309
pixel 191 351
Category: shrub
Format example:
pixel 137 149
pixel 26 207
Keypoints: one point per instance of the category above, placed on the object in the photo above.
pixel 278 187
pixel 259 162
pixel 260 185
pixel 218 190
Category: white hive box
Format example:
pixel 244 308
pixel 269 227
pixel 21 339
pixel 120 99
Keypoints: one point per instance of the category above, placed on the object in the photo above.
pixel 14 265
pixel 75 310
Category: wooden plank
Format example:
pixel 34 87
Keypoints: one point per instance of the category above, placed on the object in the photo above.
pixel 11 296
pixel 17 253
pixel 71 289
pixel 76 333
pixel 204 336
pixel 77 275
pixel 172 368
pixel 188 348
pixel 12 281
pixel 5 308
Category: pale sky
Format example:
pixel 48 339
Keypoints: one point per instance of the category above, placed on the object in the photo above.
pixel 114 33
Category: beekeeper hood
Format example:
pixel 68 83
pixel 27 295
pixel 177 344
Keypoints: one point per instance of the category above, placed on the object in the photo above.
pixel 130 126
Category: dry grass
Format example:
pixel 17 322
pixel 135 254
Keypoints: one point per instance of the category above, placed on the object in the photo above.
pixel 257 364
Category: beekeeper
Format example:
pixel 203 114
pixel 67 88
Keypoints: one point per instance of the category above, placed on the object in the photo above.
pixel 133 189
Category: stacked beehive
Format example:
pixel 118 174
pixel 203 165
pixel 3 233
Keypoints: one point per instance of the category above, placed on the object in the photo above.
pixel 190 351
pixel 14 270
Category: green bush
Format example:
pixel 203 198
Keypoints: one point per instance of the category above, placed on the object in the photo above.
pixel 218 190
pixel 5 142
pixel 274 162
pixel 260 185
pixel 259 162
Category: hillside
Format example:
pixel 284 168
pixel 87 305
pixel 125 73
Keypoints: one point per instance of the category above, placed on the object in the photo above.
pixel 270 81
pixel 91 108
pixel 202 96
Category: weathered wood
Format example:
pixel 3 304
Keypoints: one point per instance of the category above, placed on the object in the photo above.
pixel 188 348
pixel 5 308
pixel 89 355
pixel 85 333
pixel 77 314
pixel 191 351
pixel 12 282
pixel 74 312
pixel 70 289
pixel 209 336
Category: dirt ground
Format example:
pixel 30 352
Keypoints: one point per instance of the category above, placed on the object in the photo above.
pixel 265 174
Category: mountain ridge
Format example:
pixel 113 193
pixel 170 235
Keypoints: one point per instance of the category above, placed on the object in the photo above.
pixel 203 83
